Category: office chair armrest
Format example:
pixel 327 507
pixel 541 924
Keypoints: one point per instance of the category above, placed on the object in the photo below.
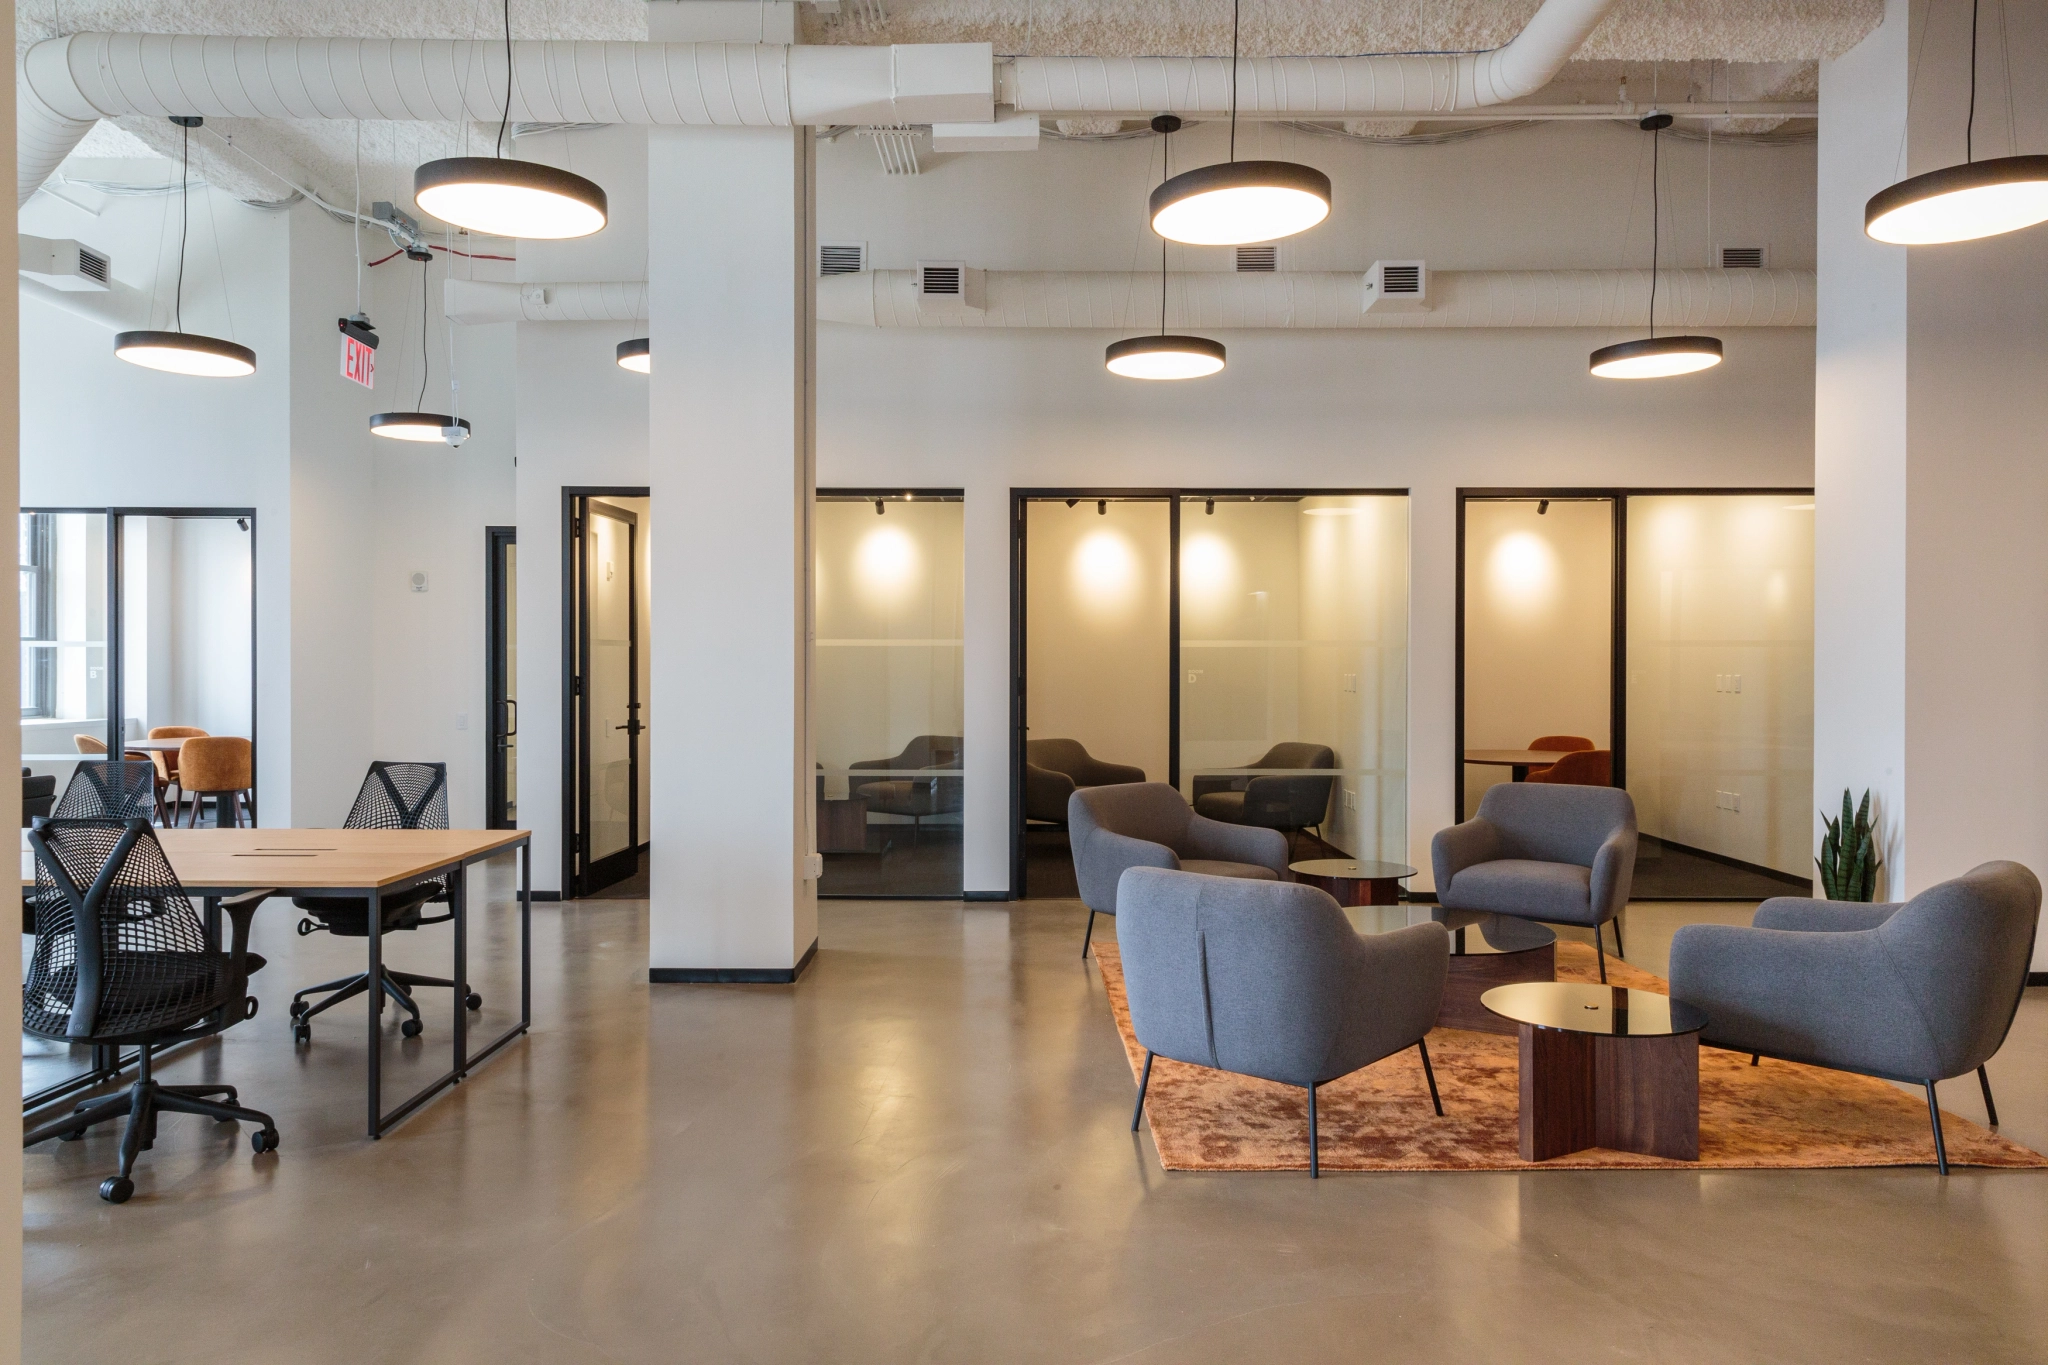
pixel 240 910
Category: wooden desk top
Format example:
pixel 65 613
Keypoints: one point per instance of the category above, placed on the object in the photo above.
pixel 313 859
pixel 1515 758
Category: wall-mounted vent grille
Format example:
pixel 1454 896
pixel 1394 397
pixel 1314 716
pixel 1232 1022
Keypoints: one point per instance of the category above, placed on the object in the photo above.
pixel 92 265
pixel 939 281
pixel 1401 280
pixel 842 258
pixel 1742 258
pixel 1258 258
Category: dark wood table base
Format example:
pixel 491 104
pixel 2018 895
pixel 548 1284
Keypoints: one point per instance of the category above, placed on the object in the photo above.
pixel 1583 1090
pixel 1356 890
pixel 1474 974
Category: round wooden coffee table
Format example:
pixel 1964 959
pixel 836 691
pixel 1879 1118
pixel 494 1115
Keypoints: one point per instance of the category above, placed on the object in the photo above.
pixel 1605 1066
pixel 1354 881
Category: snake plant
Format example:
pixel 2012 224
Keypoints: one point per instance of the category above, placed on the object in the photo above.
pixel 1848 855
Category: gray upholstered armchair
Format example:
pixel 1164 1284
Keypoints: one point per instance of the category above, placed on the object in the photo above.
pixel 1560 854
pixel 1269 979
pixel 1054 769
pixel 917 798
pixel 1283 803
pixel 1917 992
pixel 1149 824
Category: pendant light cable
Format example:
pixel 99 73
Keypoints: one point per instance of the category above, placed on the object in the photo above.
pixel 357 226
pixel 1656 223
pixel 1233 78
pixel 1970 126
pixel 184 219
pixel 1165 174
pixel 506 117
pixel 426 351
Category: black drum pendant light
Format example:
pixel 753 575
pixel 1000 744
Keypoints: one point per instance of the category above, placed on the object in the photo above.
pixel 180 352
pixel 1163 356
pixel 1962 203
pixel 509 198
pixel 1656 357
pixel 421 426
pixel 634 356
pixel 1240 201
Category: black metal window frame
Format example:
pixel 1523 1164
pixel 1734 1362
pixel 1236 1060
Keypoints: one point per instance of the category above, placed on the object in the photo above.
pixel 37 547
pixel 501 711
pixel 1174 498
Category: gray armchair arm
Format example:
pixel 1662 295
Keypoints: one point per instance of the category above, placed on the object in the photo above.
pixel 1396 998
pixel 1101 858
pixel 1461 846
pixel 1228 843
pixel 1102 773
pixel 1046 793
pixel 1827 998
pixel 1819 916
pixel 1614 867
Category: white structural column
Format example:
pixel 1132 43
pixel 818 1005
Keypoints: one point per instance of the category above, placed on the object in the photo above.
pixel 1931 468
pixel 731 437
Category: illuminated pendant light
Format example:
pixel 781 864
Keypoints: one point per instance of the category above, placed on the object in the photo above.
pixel 1962 203
pixel 181 352
pixel 422 426
pixel 633 355
pixel 490 194
pixel 1655 357
pixel 1240 201
pixel 1163 356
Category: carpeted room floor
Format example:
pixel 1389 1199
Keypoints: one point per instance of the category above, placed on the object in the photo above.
pixel 921 1152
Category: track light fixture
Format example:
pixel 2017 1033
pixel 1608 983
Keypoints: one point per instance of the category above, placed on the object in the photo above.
pixel 1164 356
pixel 179 351
pixel 1237 202
pixel 1962 203
pixel 1655 357
pixel 509 198
pixel 1102 508
pixel 1209 508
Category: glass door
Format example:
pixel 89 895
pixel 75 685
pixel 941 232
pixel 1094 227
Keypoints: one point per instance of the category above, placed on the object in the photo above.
pixel 501 650
pixel 607 670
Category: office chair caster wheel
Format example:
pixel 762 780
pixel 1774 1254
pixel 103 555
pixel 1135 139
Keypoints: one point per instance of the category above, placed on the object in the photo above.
pixel 412 1028
pixel 115 1189
pixel 473 1001
pixel 299 1008
pixel 263 1140
pixel 302 1033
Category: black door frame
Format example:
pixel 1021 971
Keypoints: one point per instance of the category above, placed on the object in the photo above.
pixel 116 682
pixel 572 534
pixel 1617 685
pixel 501 712
pixel 1174 498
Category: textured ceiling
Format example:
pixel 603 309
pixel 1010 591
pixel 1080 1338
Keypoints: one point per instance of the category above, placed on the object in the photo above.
pixel 1680 45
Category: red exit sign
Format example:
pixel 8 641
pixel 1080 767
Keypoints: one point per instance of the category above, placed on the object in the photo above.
pixel 358 362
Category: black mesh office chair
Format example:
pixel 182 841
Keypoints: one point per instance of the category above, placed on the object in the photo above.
pixel 121 959
pixel 113 790
pixel 393 796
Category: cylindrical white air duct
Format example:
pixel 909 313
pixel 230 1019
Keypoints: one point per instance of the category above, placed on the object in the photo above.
pixel 64 84
pixel 1224 300
pixel 1306 87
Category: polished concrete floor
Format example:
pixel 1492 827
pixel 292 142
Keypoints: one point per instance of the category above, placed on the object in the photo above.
pixel 921 1153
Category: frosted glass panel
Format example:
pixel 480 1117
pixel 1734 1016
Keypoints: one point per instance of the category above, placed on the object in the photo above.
pixel 1720 674
pixel 1294 632
pixel 890 789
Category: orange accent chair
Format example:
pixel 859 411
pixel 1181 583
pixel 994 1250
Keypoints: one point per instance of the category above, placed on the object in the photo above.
pixel 222 767
pixel 167 763
pixel 1552 743
pixel 1583 768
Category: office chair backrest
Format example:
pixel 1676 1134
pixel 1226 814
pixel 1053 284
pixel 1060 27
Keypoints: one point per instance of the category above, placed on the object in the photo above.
pixel 401 796
pixel 119 948
pixel 109 791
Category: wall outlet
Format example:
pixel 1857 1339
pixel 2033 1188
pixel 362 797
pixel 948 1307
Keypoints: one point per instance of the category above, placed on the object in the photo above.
pixel 1350 682
pixel 1727 682
pixel 1728 801
pixel 1350 799
pixel 462 720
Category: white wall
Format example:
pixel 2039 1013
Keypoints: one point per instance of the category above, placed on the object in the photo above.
pixel 10 811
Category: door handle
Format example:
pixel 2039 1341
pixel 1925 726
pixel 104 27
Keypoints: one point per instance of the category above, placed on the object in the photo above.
pixel 511 717
pixel 630 727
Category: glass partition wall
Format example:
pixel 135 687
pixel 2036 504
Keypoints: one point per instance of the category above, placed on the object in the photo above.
pixel 890 584
pixel 1247 647
pixel 153 607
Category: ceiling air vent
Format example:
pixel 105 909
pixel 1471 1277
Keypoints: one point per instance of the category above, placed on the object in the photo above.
pixel 92 265
pixel 1397 286
pixel 1742 258
pixel 1264 259
pixel 948 285
pixel 842 258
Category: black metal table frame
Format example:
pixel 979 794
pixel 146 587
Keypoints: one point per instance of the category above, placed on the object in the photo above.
pixel 109 1065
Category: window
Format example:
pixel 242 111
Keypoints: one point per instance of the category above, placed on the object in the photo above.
pixel 38 615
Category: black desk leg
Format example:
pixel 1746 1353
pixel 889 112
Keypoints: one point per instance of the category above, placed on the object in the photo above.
pixel 459 885
pixel 374 999
pixel 526 934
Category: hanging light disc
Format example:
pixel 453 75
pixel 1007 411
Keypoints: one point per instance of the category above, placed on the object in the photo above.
pixel 185 353
pixel 1239 202
pixel 505 198
pixel 1165 357
pixel 1656 357
pixel 633 356
pixel 1961 203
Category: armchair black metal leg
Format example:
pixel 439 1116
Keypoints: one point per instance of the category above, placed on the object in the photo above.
pixel 1144 1080
pixel 1314 1167
pixel 1619 951
pixel 1600 947
pixel 1990 1109
pixel 1429 1074
pixel 1755 1057
pixel 1934 1115
pixel 1089 935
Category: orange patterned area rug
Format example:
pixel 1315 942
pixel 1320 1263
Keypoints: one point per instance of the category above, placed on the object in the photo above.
pixel 1777 1115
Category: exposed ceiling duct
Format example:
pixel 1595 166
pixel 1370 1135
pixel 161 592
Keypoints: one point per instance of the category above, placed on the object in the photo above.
pixel 1222 300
